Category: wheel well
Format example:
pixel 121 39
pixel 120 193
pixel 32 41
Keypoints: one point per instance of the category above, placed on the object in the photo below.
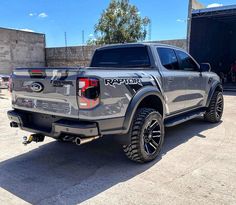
pixel 211 93
pixel 219 88
pixel 153 102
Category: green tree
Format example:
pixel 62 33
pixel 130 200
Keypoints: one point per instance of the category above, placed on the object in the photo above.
pixel 119 23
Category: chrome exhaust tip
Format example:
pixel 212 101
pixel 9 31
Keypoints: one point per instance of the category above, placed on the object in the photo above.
pixel 13 124
pixel 79 141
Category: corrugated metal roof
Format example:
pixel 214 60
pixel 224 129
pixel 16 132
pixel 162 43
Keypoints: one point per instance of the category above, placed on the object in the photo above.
pixel 226 14
pixel 220 8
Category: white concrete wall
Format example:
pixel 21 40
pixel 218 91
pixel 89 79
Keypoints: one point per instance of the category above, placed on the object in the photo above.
pixel 70 56
pixel 20 49
pixel 81 55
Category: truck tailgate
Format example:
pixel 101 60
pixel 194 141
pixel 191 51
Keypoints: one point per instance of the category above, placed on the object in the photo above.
pixel 47 90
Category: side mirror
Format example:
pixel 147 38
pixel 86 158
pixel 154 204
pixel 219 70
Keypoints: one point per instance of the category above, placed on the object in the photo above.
pixel 205 67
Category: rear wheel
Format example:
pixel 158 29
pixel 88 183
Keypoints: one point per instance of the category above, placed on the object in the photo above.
pixel 147 136
pixel 215 110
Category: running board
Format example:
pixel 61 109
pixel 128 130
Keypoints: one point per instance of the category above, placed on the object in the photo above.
pixel 172 121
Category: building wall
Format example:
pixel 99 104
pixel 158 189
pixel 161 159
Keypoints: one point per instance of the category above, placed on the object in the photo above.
pixel 27 49
pixel 210 42
pixel 233 43
pixel 71 56
pixel 81 55
pixel 20 49
pixel 181 43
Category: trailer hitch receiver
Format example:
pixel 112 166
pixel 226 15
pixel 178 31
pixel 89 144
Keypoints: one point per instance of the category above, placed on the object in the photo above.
pixel 33 138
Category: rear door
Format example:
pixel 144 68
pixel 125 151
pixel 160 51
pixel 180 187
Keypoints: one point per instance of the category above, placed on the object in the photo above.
pixel 195 81
pixel 173 80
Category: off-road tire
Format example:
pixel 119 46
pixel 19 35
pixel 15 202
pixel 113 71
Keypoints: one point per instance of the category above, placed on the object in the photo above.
pixel 216 107
pixel 137 149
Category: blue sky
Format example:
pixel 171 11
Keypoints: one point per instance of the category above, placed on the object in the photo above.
pixel 54 17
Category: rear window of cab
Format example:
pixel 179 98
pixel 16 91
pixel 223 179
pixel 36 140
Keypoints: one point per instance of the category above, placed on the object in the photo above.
pixel 126 57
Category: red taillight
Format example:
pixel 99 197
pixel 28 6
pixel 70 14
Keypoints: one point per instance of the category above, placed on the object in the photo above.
pixel 37 73
pixel 88 93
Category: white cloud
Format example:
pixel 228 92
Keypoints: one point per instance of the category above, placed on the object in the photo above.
pixel 91 35
pixel 32 14
pixel 181 20
pixel 43 15
pixel 26 29
pixel 214 5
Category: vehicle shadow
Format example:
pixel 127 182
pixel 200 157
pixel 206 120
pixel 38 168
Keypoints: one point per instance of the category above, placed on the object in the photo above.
pixel 3 98
pixel 81 172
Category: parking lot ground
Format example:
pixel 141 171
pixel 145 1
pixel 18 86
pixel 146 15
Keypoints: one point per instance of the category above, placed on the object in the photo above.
pixel 197 166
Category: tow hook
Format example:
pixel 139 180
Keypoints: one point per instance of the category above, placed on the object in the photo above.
pixel 33 138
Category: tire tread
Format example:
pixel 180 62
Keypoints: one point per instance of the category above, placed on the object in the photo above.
pixel 210 113
pixel 132 150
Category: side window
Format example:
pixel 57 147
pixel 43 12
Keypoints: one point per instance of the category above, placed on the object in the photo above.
pixel 168 58
pixel 186 62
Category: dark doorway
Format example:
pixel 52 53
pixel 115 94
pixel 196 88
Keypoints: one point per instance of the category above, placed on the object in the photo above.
pixel 213 40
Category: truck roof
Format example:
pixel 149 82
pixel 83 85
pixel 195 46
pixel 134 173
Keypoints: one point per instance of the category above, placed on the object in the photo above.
pixel 124 45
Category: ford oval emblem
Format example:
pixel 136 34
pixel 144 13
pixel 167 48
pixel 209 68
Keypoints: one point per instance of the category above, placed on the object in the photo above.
pixel 36 87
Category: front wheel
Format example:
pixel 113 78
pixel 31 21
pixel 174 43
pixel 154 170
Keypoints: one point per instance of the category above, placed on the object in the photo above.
pixel 147 136
pixel 215 110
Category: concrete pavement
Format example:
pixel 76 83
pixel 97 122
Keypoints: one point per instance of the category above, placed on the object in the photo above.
pixel 197 166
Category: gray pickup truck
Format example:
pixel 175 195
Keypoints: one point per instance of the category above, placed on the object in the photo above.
pixel 133 91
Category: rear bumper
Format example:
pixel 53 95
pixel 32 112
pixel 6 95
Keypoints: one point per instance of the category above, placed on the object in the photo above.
pixel 59 128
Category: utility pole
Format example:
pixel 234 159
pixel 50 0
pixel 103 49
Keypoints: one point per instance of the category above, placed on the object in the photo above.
pixel 189 22
pixel 83 37
pixel 65 39
pixel 66 51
